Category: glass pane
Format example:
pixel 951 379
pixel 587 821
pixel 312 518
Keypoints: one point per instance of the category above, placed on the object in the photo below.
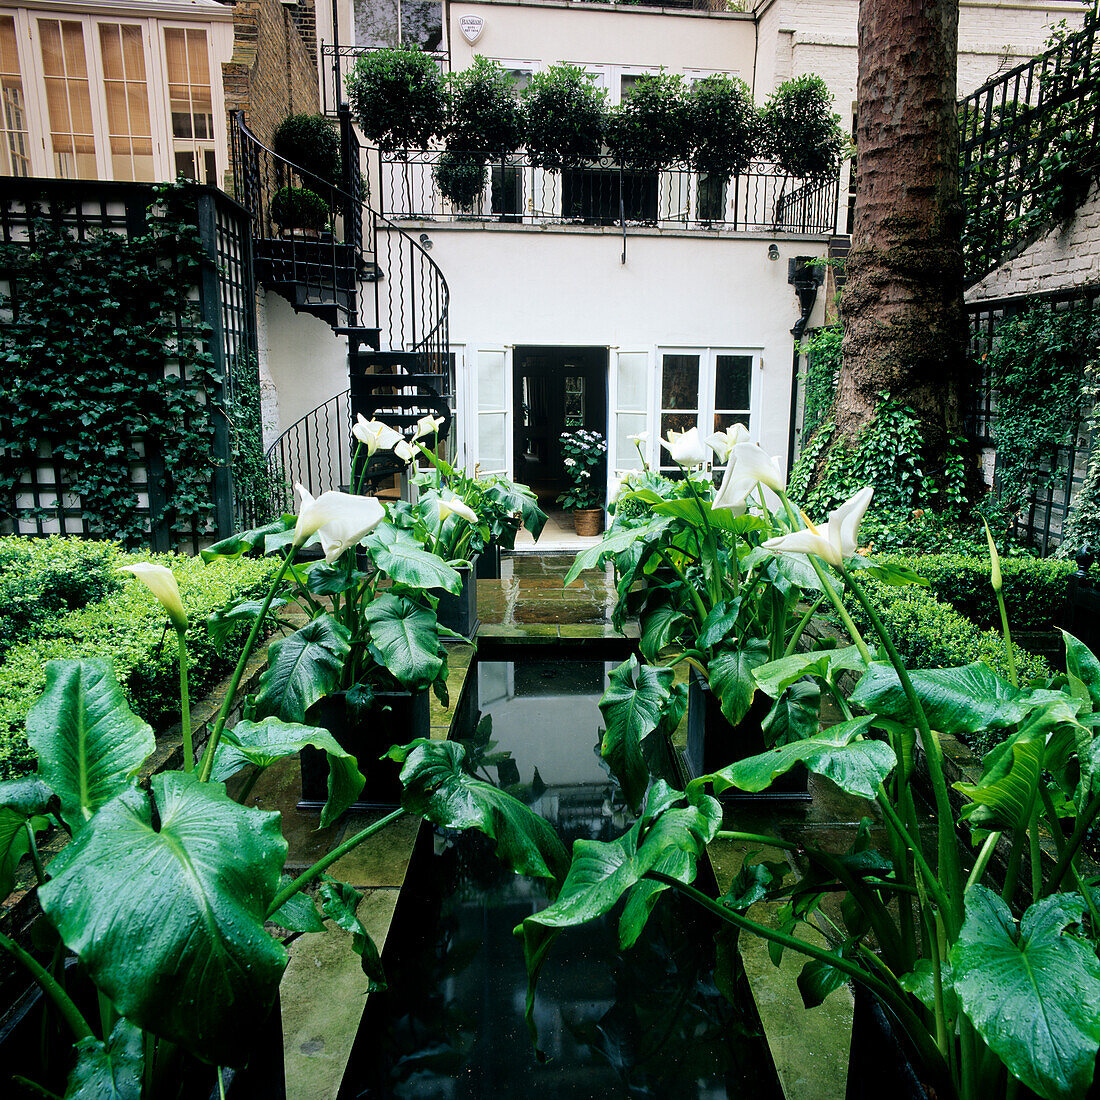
pixel 490 380
pixel 632 383
pixel 680 382
pixel 675 422
pixel 733 378
pixel 422 23
pixel 14 155
pixel 127 97
pixel 68 98
pixel 374 23
pixel 574 401
pixel 626 454
pixel 491 441
pixel 722 421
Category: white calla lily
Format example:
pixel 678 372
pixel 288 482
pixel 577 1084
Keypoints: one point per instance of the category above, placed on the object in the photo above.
pixel 428 425
pixel 641 437
pixel 402 449
pixel 752 461
pixel 686 448
pixel 376 435
pixel 366 435
pixel 342 520
pixel 734 491
pixel 833 541
pixel 450 504
pixel 161 581
pixel 721 443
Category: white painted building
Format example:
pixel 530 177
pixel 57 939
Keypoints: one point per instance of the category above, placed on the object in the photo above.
pixel 666 324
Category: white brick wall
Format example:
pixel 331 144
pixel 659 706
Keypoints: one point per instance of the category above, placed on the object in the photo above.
pixel 1068 256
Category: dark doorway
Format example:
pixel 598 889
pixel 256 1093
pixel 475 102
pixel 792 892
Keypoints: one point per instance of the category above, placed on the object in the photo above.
pixel 556 389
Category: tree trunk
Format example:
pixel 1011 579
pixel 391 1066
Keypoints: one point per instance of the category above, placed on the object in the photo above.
pixel 905 331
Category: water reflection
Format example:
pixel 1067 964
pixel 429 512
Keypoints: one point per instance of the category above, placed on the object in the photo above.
pixel 650 1023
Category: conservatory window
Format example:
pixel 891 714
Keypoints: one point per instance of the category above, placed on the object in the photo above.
pixel 14 155
pixel 68 98
pixel 191 104
pixel 127 94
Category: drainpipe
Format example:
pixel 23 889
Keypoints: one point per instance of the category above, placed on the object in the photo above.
pixel 806 278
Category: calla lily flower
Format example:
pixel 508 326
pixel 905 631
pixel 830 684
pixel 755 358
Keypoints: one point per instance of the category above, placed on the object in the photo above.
pixel 376 436
pixel 342 520
pixel 833 541
pixel 161 581
pixel 641 437
pixel 449 503
pixel 686 448
pixel 428 425
pixel 721 443
pixel 734 491
pixel 403 450
pixel 366 435
pixel 752 461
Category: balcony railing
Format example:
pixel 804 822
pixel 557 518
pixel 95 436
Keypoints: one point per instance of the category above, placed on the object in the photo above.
pixel 603 192
pixel 1009 129
pixel 337 61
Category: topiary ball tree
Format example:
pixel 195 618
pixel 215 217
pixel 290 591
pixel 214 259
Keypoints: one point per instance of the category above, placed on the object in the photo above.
pixel 652 128
pixel 485 116
pixel 312 143
pixel 725 126
pixel 460 177
pixel 565 118
pixel 398 98
pixel 801 133
pixel 299 208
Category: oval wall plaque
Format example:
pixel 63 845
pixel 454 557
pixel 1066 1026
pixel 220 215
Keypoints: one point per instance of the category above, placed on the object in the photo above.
pixel 471 27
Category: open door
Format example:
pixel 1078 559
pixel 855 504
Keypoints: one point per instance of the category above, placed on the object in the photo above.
pixel 493 401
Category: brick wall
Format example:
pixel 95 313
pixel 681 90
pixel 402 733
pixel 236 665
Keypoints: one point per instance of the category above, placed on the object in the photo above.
pixel 1067 256
pixel 273 70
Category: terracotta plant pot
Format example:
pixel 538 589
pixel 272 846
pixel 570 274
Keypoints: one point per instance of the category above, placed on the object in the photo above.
pixel 588 521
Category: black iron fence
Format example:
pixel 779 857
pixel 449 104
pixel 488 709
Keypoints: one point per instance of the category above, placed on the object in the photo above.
pixel 337 61
pixel 1027 141
pixel 604 192
pixel 43 501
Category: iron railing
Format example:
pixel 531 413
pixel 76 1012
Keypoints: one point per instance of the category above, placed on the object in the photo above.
pixel 314 451
pixel 604 192
pixel 1012 132
pixel 337 61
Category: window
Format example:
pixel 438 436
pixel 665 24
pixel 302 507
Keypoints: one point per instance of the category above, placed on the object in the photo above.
pixel 381 23
pixel 14 156
pixel 68 98
pixel 592 195
pixel 679 398
pixel 127 94
pixel 190 104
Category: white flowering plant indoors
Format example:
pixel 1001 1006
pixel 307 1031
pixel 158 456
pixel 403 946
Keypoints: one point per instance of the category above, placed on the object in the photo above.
pixel 584 452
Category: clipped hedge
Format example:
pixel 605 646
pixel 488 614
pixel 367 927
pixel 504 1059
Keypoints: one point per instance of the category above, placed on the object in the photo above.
pixel 1034 589
pixel 127 625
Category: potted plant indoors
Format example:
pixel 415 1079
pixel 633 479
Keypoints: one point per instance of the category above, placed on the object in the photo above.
pixel 583 454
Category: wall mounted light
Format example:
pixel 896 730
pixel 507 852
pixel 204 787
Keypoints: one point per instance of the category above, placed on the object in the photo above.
pixel 773 251
pixel 426 242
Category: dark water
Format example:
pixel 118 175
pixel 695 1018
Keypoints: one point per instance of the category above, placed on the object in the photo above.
pixel 647 1023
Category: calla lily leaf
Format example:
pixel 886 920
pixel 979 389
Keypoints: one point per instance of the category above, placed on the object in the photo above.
pixel 615 542
pixel 405 561
pixel 795 715
pixel 776 676
pixel 340 903
pixel 406 639
pixel 1031 992
pixel 224 620
pixel 437 788
pixel 1083 669
pixel 298 913
pixel 109 1070
pixel 89 743
pixel 660 627
pixel 162 897
pixel 301 668
pixel 730 673
pixel 236 546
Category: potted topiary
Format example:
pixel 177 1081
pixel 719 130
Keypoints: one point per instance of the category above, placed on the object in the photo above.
pixel 398 98
pixel 725 132
pixel 298 208
pixel 485 116
pixel 565 118
pixel 651 128
pixel 461 178
pixel 312 144
pixel 800 132
pixel 583 454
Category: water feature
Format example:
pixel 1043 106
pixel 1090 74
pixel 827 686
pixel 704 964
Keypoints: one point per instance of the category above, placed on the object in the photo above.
pixel 648 1023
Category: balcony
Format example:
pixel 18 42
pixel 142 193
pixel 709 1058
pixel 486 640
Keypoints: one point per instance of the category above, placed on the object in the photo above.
pixel 604 193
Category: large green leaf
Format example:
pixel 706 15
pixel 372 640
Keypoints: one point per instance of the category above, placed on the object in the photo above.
pixel 855 765
pixel 298 912
pixel 795 715
pixel 632 708
pixel 437 788
pixel 89 743
pixel 236 546
pixel 405 561
pixel 516 499
pixel 302 668
pixel 730 674
pixel 775 677
pixel 221 622
pixel 162 897
pixel 340 903
pixel 615 541
pixel 719 623
pixel 660 627
pixel 406 638
pixel 1031 992
pixel 109 1070
pixel 262 743
pixel 1083 669
pixel 23 804
pixel 956 700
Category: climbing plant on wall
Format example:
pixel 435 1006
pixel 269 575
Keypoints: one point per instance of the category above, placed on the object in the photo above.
pixel 106 372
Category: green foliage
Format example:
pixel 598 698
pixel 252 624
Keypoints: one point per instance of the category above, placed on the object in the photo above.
pixel 312 143
pixel 801 133
pixel 398 98
pixel 565 117
pixel 129 627
pixel 485 115
pixel 251 481
pixel 583 454
pixel 1037 368
pixel 725 126
pixel 460 177
pixel 823 366
pixel 1082 527
pixel 653 127
pixel 299 208
pixel 105 360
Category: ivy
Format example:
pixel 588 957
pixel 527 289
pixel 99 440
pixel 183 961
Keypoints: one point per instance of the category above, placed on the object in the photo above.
pixel 1036 367
pixel 823 354
pixel 106 371
pixel 251 479
pixel 1082 527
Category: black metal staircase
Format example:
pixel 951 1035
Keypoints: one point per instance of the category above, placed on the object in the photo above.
pixel 374 285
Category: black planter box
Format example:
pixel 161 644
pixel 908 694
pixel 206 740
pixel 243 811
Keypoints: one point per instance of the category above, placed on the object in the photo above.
pixel 487 563
pixel 882 1060
pixel 396 718
pixel 459 612
pixel 713 744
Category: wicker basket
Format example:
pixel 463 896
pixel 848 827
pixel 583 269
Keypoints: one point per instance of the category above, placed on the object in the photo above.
pixel 588 521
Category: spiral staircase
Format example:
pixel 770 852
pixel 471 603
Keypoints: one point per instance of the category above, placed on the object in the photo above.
pixel 375 286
